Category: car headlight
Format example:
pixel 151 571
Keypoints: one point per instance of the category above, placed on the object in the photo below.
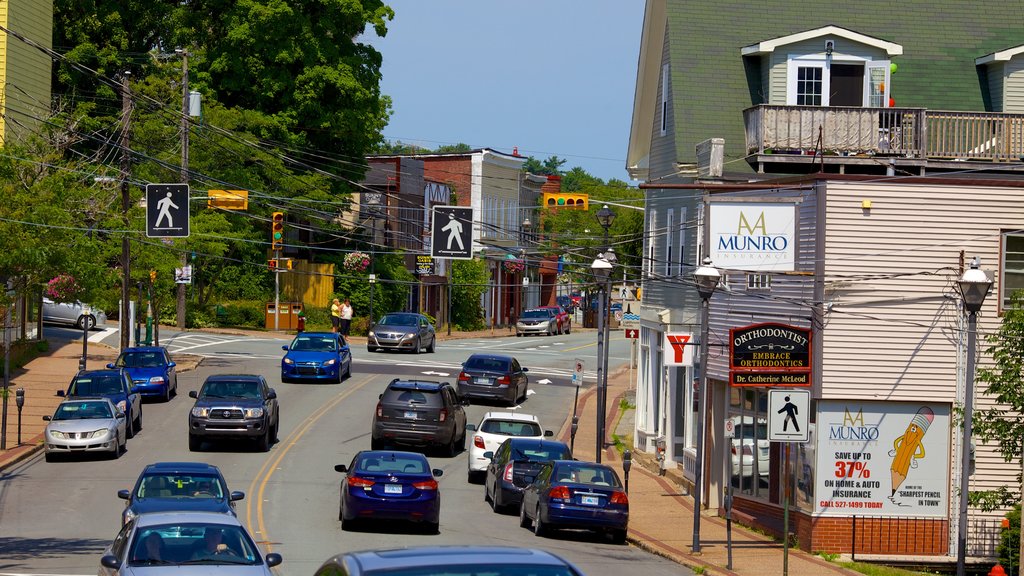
pixel 371 334
pixel 129 515
pixel 97 433
pixel 157 380
pixel 288 360
pixel 410 335
pixel 122 405
pixel 254 412
pixel 201 411
pixel 331 362
pixel 58 434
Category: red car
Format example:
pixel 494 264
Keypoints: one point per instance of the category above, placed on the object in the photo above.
pixel 562 317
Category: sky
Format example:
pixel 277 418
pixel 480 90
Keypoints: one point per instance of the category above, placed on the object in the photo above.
pixel 551 77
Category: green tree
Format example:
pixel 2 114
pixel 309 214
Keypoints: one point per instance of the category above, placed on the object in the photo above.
pixel 453 148
pixel 550 167
pixel 470 279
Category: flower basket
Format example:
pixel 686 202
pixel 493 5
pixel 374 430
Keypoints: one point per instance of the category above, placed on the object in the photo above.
pixel 513 266
pixel 356 261
pixel 63 288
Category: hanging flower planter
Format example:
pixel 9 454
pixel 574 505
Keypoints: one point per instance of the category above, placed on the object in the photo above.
pixel 513 266
pixel 357 261
pixel 63 288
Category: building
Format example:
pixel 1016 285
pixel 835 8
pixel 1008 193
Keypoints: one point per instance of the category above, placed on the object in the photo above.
pixel 919 109
pixel 24 69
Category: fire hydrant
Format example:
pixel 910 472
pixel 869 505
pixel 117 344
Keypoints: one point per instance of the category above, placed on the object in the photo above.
pixel 301 322
pixel 997 570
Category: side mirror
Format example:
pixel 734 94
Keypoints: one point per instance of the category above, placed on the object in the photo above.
pixel 193 394
pixel 172 364
pixel 47 418
pixel 341 468
pixel 119 415
pixel 111 365
pixel 285 348
pixel 380 396
pixel 471 427
pixel 111 562
pixel 525 369
pixel 437 472
pixel 236 495
pixel 489 455
pixel 273 559
pixel 272 394
pixel 60 393
pixel 124 494
pixel 464 401
pixel 548 433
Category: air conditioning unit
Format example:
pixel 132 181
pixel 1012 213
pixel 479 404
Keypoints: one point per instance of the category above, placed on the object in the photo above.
pixel 710 156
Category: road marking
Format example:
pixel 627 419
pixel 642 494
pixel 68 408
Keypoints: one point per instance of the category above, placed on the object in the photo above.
pixel 580 347
pixel 98 337
pixel 271 464
pixel 193 347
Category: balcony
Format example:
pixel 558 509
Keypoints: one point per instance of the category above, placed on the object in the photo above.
pixel 800 139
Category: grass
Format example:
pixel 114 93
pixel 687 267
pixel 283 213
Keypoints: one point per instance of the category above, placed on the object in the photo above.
pixel 880 570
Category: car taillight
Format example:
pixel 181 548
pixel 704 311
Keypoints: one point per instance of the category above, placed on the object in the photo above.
pixel 559 493
pixel 748 450
pixel 620 498
pixel 734 450
pixel 478 441
pixel 507 475
pixel 463 377
pixel 504 381
pixel 426 485
pixel 380 410
pixel 443 415
pixel 356 481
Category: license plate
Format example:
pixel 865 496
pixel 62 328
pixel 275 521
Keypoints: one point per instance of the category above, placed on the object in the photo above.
pixel 411 415
pixel 392 488
pixel 483 380
pixel 589 500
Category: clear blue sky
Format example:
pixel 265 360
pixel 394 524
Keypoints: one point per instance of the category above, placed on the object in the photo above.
pixel 553 77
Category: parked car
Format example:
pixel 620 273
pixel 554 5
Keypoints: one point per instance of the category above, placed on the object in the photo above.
pixel 494 377
pixel 84 424
pixel 419 413
pixel 573 494
pixel 562 317
pixel 493 429
pixel 514 466
pixel 402 331
pixel 387 485
pixel 151 370
pixel 449 561
pixel 317 356
pixel 178 487
pixel 536 321
pixel 750 436
pixel 112 384
pixel 182 543
pixel 74 313
pixel 234 406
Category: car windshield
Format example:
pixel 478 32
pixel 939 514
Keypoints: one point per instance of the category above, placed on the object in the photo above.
pixel 484 363
pixel 314 343
pixel 391 463
pixel 535 314
pixel 398 320
pixel 230 389
pixel 584 474
pixel 140 360
pixel 96 384
pixel 192 543
pixel 478 570
pixel 511 427
pixel 540 453
pixel 82 411
pixel 174 485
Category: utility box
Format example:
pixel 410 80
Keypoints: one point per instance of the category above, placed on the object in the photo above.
pixel 287 315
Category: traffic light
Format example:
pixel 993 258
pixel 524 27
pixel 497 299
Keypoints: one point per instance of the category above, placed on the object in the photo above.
pixel 272 263
pixel 152 276
pixel 277 231
pixel 566 200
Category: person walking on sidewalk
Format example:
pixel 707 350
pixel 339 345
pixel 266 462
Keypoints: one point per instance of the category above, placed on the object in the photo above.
pixel 346 317
pixel 335 315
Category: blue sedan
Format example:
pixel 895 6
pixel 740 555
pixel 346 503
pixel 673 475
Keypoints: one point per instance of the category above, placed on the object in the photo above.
pixel 389 485
pixel 151 370
pixel 317 356
pixel 574 494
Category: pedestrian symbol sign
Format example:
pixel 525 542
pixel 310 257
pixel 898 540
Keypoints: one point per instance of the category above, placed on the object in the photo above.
pixel 451 232
pixel 167 211
pixel 788 415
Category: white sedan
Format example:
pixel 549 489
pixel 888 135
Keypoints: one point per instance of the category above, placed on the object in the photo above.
pixel 493 429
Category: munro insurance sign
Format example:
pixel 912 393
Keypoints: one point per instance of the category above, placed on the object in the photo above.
pixel 753 236
pixel 770 354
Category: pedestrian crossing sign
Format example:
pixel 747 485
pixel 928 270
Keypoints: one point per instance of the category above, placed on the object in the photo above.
pixel 788 415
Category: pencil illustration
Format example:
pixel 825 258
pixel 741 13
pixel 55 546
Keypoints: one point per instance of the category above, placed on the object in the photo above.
pixel 908 448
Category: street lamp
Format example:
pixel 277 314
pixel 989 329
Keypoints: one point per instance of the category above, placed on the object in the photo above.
pixel 974 286
pixel 602 270
pixel 706 278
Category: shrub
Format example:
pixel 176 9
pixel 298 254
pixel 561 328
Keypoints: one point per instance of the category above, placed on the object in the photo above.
pixel 1009 539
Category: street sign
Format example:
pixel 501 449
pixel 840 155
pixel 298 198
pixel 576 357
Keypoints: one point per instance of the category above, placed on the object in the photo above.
pixel 788 415
pixel 167 211
pixel 451 232
pixel 632 333
pixel 730 428
pixel 577 372
pixel 678 349
pixel 424 265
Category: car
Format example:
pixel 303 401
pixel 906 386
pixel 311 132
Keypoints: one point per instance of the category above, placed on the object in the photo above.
pixel 493 377
pixel 232 407
pixel 389 485
pixel 75 314
pixel 449 561
pixel 151 370
pixel 178 487
pixel 492 430
pixel 513 467
pixel 113 384
pixel 182 543
pixel 566 302
pixel 402 331
pixel 316 356
pixel 84 424
pixel 419 413
pixel 574 494
pixel 562 317
pixel 747 434
pixel 536 321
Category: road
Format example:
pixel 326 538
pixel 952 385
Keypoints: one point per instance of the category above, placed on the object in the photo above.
pixel 57 517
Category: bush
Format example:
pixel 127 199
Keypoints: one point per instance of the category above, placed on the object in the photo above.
pixel 244 314
pixel 1009 540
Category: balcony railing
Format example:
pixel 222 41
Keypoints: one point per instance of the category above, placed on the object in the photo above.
pixel 902 132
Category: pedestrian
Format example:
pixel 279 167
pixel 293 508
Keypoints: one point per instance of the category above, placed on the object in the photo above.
pixel 335 315
pixel 346 317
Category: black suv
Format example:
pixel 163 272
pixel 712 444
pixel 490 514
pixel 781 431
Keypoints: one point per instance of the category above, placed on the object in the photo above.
pixel 420 413
pixel 230 406
pixel 514 466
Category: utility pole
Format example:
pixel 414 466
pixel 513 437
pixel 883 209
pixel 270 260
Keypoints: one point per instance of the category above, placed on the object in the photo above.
pixel 180 312
pixel 126 253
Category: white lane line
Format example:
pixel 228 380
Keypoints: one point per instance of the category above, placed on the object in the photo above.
pixel 99 336
pixel 182 349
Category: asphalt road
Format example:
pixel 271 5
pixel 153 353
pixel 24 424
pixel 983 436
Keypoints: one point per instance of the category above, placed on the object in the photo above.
pixel 56 518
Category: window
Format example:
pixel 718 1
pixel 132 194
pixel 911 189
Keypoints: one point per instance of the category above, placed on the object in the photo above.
pixel 649 261
pixel 814 80
pixel 759 282
pixel 664 100
pixel 809 86
pixel 682 241
pixel 1011 268
pixel 669 229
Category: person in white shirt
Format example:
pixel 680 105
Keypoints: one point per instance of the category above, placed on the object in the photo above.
pixel 346 317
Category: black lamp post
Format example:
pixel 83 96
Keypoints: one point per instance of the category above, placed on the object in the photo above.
pixel 706 279
pixel 974 286
pixel 602 270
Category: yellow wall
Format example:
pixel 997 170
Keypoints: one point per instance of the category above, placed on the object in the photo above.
pixel 308 282
pixel 25 70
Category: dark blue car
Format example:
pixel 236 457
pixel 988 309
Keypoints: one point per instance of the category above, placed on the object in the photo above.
pixel 573 494
pixel 317 356
pixel 389 485
pixel 151 370
pixel 112 384
pixel 178 487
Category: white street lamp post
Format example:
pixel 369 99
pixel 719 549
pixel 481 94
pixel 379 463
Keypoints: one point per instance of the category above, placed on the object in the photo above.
pixel 706 278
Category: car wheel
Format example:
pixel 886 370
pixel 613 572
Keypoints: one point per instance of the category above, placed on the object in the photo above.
pixel 419 346
pixel 273 433
pixel 129 429
pixel 50 457
pixel 369 349
pixel 524 520
pixel 337 378
pixel 487 493
pixel 433 345
pixel 116 453
pixel 519 334
pixel 618 536
pixel 496 505
pixel 348 369
pixel 138 422
pixel 432 528
pixel 194 443
pixel 263 442
pixel 376 444
pixel 452 448
pixel 539 529
pixel 167 394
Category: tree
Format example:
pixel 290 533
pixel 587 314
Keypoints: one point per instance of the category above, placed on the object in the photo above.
pixel 550 167
pixel 470 279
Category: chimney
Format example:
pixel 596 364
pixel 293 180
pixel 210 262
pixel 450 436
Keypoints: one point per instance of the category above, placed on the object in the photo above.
pixel 553 185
